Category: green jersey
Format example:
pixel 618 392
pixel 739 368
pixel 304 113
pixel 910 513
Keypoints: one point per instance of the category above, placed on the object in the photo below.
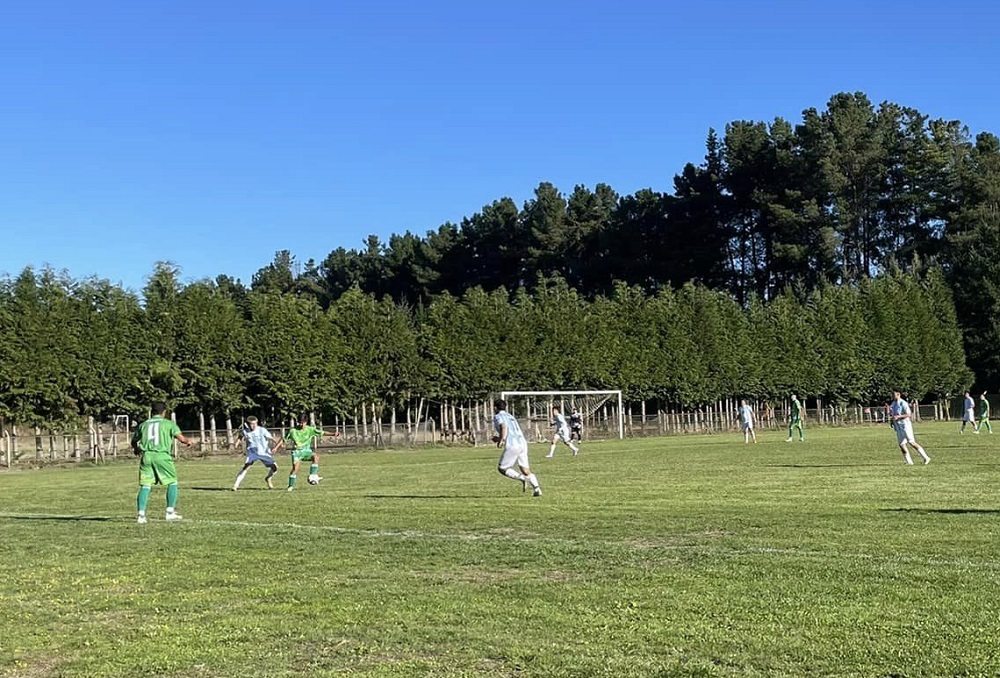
pixel 301 438
pixel 155 435
pixel 796 410
pixel 984 408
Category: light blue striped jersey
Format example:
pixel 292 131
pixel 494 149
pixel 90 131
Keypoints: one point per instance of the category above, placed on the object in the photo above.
pixel 514 434
pixel 257 440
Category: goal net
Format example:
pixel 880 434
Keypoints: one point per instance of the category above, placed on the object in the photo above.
pixel 601 413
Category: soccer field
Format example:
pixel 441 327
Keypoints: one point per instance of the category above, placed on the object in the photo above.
pixel 684 556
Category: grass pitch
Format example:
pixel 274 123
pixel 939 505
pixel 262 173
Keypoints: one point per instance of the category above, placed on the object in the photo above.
pixel 682 556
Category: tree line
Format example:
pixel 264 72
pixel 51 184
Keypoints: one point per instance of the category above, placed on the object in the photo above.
pixel 74 348
pixel 843 195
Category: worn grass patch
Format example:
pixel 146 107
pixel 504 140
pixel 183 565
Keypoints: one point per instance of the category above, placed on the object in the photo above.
pixel 688 556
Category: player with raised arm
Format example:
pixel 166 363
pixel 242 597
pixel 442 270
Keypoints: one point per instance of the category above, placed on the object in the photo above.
pixel 968 413
pixel 515 448
pixel 301 437
pixel 561 433
pixel 153 442
pixel 258 440
pixel 746 422
pixel 901 417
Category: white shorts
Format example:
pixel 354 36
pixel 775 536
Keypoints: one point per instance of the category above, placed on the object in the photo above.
pixel 970 415
pixel 262 457
pixel 748 426
pixel 514 453
pixel 904 432
pixel 563 434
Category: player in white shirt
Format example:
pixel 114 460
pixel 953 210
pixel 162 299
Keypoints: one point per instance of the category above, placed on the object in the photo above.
pixel 515 448
pixel 969 413
pixel 746 422
pixel 561 433
pixel 900 416
pixel 257 441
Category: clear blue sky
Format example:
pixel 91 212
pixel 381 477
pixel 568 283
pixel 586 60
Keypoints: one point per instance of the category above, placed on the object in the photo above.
pixel 213 134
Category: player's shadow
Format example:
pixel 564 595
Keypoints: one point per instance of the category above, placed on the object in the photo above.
pixel 93 519
pixel 229 489
pixel 424 496
pixel 956 511
pixel 820 465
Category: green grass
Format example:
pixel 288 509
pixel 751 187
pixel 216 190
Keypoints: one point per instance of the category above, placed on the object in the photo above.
pixel 685 556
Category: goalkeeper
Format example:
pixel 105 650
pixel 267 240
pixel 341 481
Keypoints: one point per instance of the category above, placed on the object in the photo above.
pixel 796 419
pixel 984 413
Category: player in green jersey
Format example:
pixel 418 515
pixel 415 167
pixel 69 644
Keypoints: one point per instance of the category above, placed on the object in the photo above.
pixel 796 419
pixel 984 413
pixel 300 437
pixel 153 442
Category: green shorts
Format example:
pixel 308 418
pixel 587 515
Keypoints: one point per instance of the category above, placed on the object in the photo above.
pixel 157 468
pixel 301 455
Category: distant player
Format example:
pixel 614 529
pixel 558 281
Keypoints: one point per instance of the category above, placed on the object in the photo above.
pixel 153 442
pixel 795 419
pixel 968 413
pixel 746 422
pixel 561 433
pixel 984 413
pixel 515 448
pixel 576 425
pixel 301 437
pixel 901 418
pixel 258 443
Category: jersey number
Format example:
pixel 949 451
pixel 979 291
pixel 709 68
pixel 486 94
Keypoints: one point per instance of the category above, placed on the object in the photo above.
pixel 153 433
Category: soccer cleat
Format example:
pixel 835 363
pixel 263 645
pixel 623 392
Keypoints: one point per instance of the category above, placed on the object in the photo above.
pixel 537 492
pixel 927 460
pixel 173 517
pixel 270 485
pixel 788 440
pixel 141 520
pixel 549 456
pixel 235 488
pixel 290 488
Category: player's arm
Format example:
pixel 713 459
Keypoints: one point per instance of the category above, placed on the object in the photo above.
pixel 183 438
pixel 503 435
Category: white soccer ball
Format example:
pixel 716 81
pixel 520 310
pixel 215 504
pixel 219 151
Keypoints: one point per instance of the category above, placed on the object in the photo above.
pixel 314 479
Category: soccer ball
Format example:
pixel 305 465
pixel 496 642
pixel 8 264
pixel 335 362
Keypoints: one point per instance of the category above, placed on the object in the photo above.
pixel 313 479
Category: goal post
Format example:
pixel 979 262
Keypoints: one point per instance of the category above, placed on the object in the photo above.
pixel 537 405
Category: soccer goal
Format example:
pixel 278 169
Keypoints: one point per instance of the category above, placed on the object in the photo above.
pixel 602 411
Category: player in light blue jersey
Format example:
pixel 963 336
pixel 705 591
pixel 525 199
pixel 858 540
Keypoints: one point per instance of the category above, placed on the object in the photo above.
pixel 746 422
pixel 515 448
pixel 968 413
pixel 901 417
pixel 561 433
pixel 257 441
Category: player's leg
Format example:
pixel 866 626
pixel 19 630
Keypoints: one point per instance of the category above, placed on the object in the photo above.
pixel 906 453
pixel 243 473
pixel 985 421
pixel 909 438
pixel 293 474
pixel 566 438
pixel 522 462
pixel 552 447
pixel 791 427
pixel 166 474
pixel 314 468
pixel 508 458
pixel 146 480
pixel 272 470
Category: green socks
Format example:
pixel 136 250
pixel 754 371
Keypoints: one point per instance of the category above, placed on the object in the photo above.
pixel 313 469
pixel 171 495
pixel 291 481
pixel 143 498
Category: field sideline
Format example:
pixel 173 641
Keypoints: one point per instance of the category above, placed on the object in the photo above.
pixel 677 556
